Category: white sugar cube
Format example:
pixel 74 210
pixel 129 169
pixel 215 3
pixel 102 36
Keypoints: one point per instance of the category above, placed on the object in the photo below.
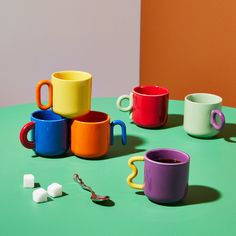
pixel 28 181
pixel 54 190
pixel 40 195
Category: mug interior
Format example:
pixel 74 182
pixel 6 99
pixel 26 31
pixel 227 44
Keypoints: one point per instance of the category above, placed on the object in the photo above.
pixel 72 75
pixel 94 117
pixel 151 90
pixel 203 98
pixel 47 115
pixel 167 156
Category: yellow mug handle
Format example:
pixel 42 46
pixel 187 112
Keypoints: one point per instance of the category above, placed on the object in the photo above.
pixel 134 173
pixel 38 94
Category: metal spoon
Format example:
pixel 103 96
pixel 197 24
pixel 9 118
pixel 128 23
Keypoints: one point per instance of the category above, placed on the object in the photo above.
pixel 94 197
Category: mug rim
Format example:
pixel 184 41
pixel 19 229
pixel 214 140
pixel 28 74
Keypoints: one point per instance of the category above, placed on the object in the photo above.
pixel 60 118
pixel 86 75
pixel 187 157
pixel 150 86
pixel 77 119
pixel 216 97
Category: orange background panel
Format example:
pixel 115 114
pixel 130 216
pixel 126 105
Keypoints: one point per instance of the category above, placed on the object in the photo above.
pixel 190 46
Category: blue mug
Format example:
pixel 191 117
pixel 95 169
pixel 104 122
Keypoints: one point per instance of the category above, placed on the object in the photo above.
pixel 50 133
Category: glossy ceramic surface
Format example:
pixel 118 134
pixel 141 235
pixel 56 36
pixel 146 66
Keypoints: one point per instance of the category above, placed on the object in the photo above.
pixel 69 93
pixel 202 115
pixel 92 134
pixel 163 182
pixel 148 104
pixel 49 132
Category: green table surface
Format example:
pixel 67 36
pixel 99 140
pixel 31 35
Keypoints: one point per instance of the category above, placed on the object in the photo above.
pixel 209 209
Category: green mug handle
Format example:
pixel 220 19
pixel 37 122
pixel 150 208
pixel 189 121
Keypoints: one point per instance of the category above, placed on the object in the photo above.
pixel 129 107
pixel 123 97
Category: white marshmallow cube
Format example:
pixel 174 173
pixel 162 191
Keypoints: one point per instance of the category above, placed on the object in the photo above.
pixel 28 181
pixel 40 195
pixel 54 190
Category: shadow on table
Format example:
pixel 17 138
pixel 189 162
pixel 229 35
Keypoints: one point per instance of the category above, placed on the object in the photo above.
pixel 197 194
pixel 174 120
pixel 65 155
pixel 64 194
pixel 49 199
pixel 118 149
pixel 108 203
pixel 37 185
pixel 228 133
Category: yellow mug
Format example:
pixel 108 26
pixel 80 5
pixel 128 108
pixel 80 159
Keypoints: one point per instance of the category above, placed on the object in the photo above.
pixel 69 93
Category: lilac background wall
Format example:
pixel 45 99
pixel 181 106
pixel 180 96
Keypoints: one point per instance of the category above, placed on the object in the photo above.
pixel 40 37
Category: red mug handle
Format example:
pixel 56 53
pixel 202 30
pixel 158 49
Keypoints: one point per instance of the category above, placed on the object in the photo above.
pixel 23 135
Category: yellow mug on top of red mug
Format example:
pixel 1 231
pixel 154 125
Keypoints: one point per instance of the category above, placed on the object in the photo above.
pixel 93 133
pixel 69 93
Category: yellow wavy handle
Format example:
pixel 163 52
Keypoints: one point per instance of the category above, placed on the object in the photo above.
pixel 134 173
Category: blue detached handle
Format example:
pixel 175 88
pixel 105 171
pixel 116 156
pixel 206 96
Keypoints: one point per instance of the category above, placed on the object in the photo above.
pixel 123 131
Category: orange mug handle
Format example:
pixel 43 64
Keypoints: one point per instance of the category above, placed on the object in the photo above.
pixel 38 94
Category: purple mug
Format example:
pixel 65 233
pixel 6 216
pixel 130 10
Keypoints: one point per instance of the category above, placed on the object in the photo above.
pixel 165 175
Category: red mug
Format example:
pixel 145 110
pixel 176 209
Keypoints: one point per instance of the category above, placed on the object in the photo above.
pixel 148 105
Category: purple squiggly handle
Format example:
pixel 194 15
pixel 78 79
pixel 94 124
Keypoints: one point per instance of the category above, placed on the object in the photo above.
pixel 217 126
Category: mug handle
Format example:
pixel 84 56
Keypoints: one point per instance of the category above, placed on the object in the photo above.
pixel 217 126
pixel 123 97
pixel 23 135
pixel 38 94
pixel 134 173
pixel 123 131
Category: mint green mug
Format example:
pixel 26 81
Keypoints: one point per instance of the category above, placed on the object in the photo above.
pixel 203 117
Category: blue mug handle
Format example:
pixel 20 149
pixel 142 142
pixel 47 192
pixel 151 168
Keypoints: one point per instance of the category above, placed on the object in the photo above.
pixel 123 131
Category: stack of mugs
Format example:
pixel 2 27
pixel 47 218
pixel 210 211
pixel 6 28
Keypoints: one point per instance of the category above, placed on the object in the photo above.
pixel 66 121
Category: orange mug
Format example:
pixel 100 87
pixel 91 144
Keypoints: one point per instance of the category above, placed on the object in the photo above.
pixel 93 133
